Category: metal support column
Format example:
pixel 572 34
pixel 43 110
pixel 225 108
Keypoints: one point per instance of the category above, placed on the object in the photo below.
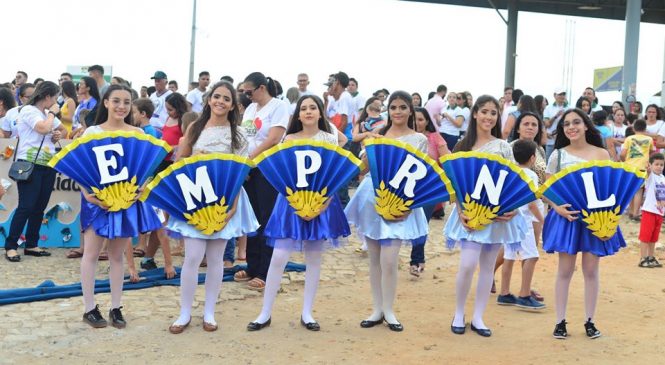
pixel 511 43
pixel 633 14
pixel 192 45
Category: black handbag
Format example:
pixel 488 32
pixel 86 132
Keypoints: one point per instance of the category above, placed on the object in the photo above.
pixel 21 170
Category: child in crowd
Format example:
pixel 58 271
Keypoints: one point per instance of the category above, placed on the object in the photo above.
pixel 524 152
pixel 635 152
pixel 652 211
pixel 142 110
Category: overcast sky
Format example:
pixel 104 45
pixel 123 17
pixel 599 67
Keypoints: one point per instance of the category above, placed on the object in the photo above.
pixel 382 43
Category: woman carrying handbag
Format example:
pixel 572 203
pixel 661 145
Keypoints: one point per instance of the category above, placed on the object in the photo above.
pixel 38 130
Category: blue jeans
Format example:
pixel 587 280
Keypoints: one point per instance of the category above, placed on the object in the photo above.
pixel 229 251
pixel 418 250
pixel 549 148
pixel 343 192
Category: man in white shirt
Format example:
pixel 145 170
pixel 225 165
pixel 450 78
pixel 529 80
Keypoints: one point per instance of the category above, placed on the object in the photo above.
pixel 551 117
pixel 158 99
pixel 303 82
pixel 339 109
pixel 195 97
pixel 436 105
pixel 508 105
pixel 97 73
pixel 590 94
pixel 358 99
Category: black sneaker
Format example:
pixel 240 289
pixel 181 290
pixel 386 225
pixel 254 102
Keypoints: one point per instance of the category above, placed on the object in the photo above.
pixel 654 263
pixel 560 331
pixel 149 264
pixel 94 318
pixel 117 320
pixel 591 330
pixel 644 262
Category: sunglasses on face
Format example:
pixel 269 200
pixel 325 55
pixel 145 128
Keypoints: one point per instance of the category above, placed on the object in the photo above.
pixel 249 93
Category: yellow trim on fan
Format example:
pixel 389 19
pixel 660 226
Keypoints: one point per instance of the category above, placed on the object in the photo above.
pixel 421 155
pixel 493 157
pixel 583 165
pixel 111 134
pixel 193 159
pixel 308 142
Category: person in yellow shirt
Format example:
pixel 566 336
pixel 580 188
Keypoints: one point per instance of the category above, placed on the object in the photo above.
pixel 635 152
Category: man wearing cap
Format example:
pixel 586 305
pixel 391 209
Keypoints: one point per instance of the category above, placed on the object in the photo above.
pixel 158 99
pixel 551 117
pixel 97 73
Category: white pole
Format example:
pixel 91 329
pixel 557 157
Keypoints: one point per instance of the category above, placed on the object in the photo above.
pixel 662 88
pixel 192 45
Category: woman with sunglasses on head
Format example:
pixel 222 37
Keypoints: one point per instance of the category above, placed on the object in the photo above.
pixel 577 140
pixel 385 237
pixel 265 121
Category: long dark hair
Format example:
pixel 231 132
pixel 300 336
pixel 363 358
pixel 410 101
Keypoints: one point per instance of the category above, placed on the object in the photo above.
pixel 233 116
pixel 257 79
pixel 430 125
pixel 406 97
pixel 516 128
pixel 42 91
pixel 527 104
pixel 103 112
pixel 471 135
pixel 179 103
pixel 94 90
pixel 592 135
pixel 69 90
pixel 295 125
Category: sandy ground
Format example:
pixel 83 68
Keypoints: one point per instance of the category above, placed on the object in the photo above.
pixel 630 316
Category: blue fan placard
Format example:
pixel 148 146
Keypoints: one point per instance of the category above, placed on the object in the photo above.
pixel 487 185
pixel 404 178
pixel 600 190
pixel 112 165
pixel 199 190
pixel 307 172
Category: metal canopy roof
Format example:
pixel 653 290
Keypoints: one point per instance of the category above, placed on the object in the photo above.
pixel 653 10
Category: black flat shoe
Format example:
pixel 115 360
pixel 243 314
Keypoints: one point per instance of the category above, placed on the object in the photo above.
pixel 15 258
pixel 94 318
pixel 485 332
pixel 117 320
pixel 312 326
pixel 397 327
pixel 256 326
pixel 369 323
pixel 37 253
pixel 457 330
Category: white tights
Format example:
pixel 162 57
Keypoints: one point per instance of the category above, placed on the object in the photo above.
pixel 383 261
pixel 195 249
pixel 116 249
pixel 474 254
pixel 590 269
pixel 280 257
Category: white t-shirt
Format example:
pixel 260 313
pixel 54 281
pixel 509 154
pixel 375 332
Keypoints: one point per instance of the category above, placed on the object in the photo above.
pixel 549 113
pixel 524 209
pixel 466 113
pixel 345 105
pixel 507 109
pixel 195 97
pixel 657 128
pixel 258 123
pixel 9 121
pixel 618 133
pixel 447 125
pixel 159 116
pixel 30 139
pixel 654 191
pixel 359 101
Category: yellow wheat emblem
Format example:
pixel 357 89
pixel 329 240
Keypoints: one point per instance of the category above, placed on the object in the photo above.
pixel 479 215
pixel 603 224
pixel 210 219
pixel 118 196
pixel 307 204
pixel 388 205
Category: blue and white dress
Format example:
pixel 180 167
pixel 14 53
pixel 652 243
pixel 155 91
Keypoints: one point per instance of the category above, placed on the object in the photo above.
pixel 361 213
pixel 560 235
pixel 285 229
pixel 511 232
pixel 217 139
pixel 138 218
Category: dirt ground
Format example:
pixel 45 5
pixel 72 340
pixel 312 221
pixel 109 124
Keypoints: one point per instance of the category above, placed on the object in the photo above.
pixel 629 314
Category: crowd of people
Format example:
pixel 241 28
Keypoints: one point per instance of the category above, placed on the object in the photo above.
pixel 249 118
